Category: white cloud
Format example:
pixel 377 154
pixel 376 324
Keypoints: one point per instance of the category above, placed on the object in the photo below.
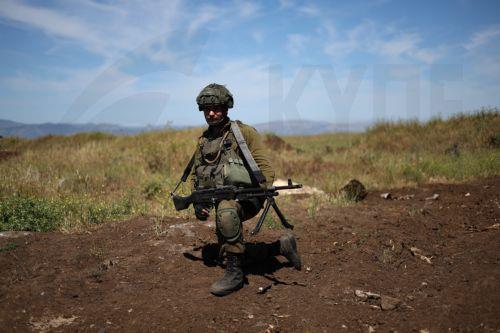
pixel 246 8
pixel 207 14
pixel 106 30
pixel 285 3
pixel 388 42
pixel 49 21
pixel 257 36
pixel 397 45
pixel 309 10
pixel 104 7
pixel 217 17
pixel 296 43
pixel 482 37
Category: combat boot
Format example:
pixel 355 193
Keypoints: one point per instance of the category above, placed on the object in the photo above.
pixel 232 279
pixel 288 249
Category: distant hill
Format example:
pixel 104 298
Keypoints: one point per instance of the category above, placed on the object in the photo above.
pixel 294 127
pixel 8 123
pixel 308 127
pixel 10 128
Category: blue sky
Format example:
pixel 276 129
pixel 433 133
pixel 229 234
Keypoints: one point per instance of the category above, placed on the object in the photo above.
pixel 143 62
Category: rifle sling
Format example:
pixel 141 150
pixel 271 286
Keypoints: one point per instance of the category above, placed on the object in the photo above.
pixel 185 175
pixel 256 172
pixel 188 168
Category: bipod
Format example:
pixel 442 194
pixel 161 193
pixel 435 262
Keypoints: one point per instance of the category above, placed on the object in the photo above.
pixel 270 202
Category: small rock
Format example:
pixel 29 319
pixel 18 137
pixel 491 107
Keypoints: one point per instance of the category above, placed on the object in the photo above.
pixel 250 316
pixel 435 196
pixel 371 329
pixel 14 234
pixel 406 197
pixel 425 330
pixel 467 194
pixel 386 196
pixel 308 269
pixel 361 294
pixel 272 329
pixel 343 326
pixel 389 303
pixel 366 294
pixel 494 226
pixel 107 264
pixel 418 253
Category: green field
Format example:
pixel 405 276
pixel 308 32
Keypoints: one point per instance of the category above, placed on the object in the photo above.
pixel 73 183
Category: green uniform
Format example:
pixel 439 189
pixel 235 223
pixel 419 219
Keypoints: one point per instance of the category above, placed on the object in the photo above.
pixel 218 152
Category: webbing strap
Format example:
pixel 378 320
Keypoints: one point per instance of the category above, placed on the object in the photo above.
pixel 188 168
pixel 258 175
pixel 186 173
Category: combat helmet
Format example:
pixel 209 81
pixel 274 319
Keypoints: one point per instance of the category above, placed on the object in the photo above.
pixel 214 94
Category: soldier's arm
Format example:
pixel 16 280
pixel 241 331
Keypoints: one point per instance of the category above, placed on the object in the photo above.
pixel 256 146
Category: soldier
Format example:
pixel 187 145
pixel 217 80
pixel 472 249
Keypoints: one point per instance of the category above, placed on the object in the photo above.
pixel 219 160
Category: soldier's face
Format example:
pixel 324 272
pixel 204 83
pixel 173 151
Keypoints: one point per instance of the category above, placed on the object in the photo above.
pixel 215 114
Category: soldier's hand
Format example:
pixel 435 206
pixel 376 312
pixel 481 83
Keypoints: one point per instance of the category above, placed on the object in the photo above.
pixel 202 213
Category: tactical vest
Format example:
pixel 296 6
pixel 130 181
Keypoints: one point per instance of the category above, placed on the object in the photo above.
pixel 220 163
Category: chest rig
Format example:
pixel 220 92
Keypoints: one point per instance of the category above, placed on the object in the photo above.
pixel 220 164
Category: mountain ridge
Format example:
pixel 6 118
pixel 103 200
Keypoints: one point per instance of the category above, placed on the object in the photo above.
pixel 290 127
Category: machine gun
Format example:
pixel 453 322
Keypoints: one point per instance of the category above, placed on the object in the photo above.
pixel 231 192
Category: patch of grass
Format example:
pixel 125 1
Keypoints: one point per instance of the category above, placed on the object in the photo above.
pixel 8 247
pixel 152 189
pixel 340 199
pixel 272 222
pixel 44 214
pixel 98 251
pixel 312 207
pixel 30 214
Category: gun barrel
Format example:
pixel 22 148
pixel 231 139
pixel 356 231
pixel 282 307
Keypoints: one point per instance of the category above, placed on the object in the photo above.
pixel 287 187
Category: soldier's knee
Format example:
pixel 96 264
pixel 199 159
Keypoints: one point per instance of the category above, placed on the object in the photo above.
pixel 228 223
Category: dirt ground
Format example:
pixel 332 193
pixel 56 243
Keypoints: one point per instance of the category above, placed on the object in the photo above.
pixel 404 264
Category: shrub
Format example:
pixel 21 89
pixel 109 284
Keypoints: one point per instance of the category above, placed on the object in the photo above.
pixel 29 214
pixel 152 189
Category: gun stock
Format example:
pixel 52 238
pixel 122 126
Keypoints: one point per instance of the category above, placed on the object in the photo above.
pixel 181 203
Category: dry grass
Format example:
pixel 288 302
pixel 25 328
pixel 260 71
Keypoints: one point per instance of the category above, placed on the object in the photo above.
pixel 83 179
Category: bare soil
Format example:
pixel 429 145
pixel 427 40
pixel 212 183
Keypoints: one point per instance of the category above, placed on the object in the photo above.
pixel 434 263
pixel 6 154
